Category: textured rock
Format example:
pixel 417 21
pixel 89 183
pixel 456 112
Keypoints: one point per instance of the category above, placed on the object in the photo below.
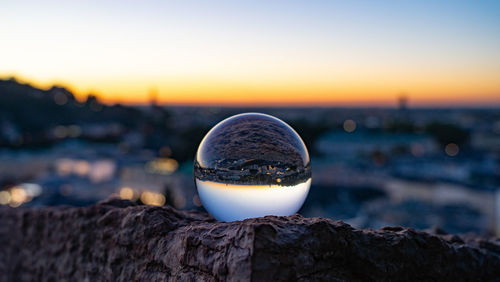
pixel 119 241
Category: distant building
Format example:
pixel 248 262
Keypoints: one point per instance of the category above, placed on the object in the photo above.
pixel 403 102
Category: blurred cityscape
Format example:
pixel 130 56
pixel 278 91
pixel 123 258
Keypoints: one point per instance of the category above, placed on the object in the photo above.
pixel 372 167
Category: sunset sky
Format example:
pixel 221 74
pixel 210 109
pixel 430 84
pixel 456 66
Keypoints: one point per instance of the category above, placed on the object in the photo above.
pixel 258 52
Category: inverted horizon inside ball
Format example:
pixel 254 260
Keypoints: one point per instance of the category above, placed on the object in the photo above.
pixel 252 165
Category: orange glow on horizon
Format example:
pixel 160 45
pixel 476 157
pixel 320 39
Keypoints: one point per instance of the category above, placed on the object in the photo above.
pixel 205 92
pixel 326 53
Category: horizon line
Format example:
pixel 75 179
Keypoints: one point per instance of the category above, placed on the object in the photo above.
pixel 383 103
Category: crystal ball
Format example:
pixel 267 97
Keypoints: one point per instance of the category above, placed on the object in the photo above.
pixel 252 165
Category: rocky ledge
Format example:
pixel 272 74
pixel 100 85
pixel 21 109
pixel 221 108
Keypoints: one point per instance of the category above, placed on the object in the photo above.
pixel 118 241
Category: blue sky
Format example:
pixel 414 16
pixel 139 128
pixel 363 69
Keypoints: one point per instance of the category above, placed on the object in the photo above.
pixel 365 49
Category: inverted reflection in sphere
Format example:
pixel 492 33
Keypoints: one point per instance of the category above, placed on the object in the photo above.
pixel 252 165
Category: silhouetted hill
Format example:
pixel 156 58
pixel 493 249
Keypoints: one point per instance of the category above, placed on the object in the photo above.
pixel 36 109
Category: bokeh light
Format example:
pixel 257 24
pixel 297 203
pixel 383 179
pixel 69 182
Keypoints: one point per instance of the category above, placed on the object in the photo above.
pixel 4 197
pixel 451 149
pixel 349 125
pixel 127 193
pixel 152 198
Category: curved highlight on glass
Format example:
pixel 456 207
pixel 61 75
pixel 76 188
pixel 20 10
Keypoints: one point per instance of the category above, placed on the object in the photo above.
pixel 252 165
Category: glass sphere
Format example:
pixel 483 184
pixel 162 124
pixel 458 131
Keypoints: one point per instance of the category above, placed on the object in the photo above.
pixel 252 165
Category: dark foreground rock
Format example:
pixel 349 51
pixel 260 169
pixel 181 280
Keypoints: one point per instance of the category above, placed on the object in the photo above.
pixel 118 241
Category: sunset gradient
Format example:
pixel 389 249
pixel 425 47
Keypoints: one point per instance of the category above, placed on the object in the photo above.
pixel 346 53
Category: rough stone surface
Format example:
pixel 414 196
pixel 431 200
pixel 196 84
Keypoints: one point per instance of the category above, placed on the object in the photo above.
pixel 117 241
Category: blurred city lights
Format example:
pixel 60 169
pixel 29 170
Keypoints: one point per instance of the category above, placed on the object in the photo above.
pixel 18 196
pixel 64 167
pixel 417 150
pixel 349 125
pixel 102 170
pixel 370 149
pixel 60 131
pixel 74 131
pixel 451 149
pixel 22 193
pixel 4 197
pixel 81 168
pixel 152 198
pixel 162 166
pixel 32 189
pixel 127 193
pixel 97 171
